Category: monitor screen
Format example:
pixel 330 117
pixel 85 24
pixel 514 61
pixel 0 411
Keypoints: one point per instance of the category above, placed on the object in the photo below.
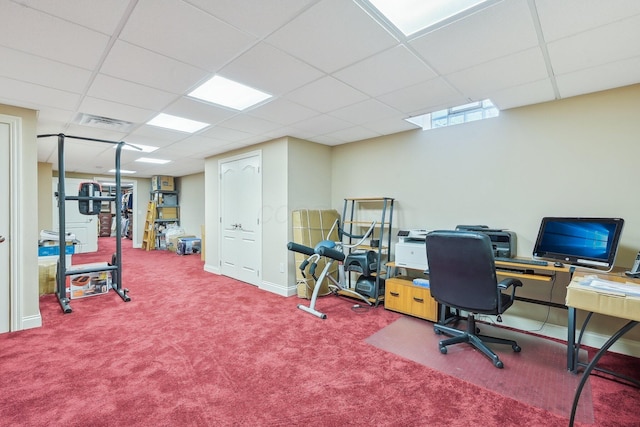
pixel 590 242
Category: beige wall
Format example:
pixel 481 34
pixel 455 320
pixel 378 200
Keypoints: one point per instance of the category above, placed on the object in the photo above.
pixel 29 304
pixel 191 200
pixel 294 175
pixel 574 157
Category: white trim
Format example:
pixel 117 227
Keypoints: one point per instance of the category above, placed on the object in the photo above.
pixel 211 268
pixel 282 290
pixel 16 322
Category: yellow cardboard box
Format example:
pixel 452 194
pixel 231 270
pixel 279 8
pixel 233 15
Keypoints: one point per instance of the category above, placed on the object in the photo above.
pixel 603 302
pixel 162 183
pixel 309 228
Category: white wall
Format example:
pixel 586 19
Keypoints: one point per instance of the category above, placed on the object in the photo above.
pixel 574 157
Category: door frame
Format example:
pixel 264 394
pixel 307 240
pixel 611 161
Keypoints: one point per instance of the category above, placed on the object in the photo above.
pixel 254 153
pixel 16 226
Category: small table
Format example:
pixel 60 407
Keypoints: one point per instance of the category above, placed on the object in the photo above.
pixel 596 300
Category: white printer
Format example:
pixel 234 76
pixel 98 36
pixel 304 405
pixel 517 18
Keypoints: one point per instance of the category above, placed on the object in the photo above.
pixel 410 249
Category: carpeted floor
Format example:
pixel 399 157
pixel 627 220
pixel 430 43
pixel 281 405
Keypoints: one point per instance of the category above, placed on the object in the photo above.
pixel 536 376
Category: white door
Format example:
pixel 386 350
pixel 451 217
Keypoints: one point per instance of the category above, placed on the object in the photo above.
pixel 240 203
pixel 5 201
pixel 85 227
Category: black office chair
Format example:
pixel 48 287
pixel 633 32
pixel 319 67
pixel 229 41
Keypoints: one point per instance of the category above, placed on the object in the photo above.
pixel 462 276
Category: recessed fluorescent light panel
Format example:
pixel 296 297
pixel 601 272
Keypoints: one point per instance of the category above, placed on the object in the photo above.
pixel 456 115
pixel 228 93
pixel 150 160
pixel 121 171
pixel 411 16
pixel 181 124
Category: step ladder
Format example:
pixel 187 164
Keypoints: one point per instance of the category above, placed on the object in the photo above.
pixel 149 234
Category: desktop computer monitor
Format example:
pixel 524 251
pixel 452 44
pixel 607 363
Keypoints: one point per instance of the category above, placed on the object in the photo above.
pixel 586 242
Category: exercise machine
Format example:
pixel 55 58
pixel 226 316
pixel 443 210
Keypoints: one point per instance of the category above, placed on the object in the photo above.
pixel 363 262
pixel 88 203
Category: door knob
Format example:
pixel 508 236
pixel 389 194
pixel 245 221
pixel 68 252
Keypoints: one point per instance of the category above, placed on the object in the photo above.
pixel 1 239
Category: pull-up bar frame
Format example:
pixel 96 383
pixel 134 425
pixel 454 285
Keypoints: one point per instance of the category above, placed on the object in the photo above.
pixel 116 262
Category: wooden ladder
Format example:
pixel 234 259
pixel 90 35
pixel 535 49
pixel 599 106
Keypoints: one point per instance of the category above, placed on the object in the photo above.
pixel 149 235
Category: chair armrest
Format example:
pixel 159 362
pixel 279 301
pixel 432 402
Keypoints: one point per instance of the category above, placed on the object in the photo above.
pixel 506 283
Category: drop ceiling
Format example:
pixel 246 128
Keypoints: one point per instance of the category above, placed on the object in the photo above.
pixel 337 72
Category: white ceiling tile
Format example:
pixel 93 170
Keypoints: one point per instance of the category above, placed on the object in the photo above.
pixel 187 34
pixel 155 136
pixel 41 34
pixel 390 126
pixel 250 124
pixel 134 94
pixel 321 125
pixel 480 81
pixel 36 69
pixel 283 111
pixel 331 35
pixel 424 97
pixel 28 95
pixel 560 19
pixel 504 28
pixel 356 133
pixel 278 71
pixel 607 76
pixel 193 109
pixel 525 94
pixel 610 43
pixel 386 71
pixel 142 66
pixel 259 18
pixel 196 144
pixel 99 15
pixel 365 112
pixel 115 110
pixel 226 134
pixel 326 94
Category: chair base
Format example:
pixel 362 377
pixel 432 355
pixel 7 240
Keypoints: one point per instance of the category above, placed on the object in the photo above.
pixel 472 337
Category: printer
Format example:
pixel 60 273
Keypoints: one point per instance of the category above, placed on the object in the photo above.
pixel 503 241
pixel 410 249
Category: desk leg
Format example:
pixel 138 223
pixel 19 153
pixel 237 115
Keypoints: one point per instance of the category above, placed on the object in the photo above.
pixel 585 376
pixel 571 341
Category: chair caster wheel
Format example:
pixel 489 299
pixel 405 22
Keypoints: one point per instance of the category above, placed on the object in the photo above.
pixel 438 332
pixel 498 364
pixel 443 350
pixel 516 348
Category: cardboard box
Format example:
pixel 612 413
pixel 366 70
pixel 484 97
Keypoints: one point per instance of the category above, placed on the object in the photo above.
pixel 309 228
pixel 188 246
pixel 603 302
pixel 167 213
pixel 162 183
pixel 47 269
pixel 89 284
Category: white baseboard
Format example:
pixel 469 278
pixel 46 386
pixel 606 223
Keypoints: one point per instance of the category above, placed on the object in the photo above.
pixel 285 291
pixel 591 339
pixel 30 322
pixel 211 268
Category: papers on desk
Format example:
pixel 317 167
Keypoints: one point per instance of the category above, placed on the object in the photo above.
pixel 611 287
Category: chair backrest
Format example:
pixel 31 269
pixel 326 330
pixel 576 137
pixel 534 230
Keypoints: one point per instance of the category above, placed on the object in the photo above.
pixel 462 272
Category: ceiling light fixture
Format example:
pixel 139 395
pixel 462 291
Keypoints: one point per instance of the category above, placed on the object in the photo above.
pixel 411 16
pixel 150 160
pixel 121 171
pixel 181 124
pixel 228 93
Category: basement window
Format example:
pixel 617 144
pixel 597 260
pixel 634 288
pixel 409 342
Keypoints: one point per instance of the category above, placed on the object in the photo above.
pixel 471 112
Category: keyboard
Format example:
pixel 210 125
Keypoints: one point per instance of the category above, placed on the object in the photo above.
pixel 522 261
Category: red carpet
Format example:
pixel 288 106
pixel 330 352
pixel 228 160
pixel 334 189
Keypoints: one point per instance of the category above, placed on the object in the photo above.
pixel 196 349
pixel 536 376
